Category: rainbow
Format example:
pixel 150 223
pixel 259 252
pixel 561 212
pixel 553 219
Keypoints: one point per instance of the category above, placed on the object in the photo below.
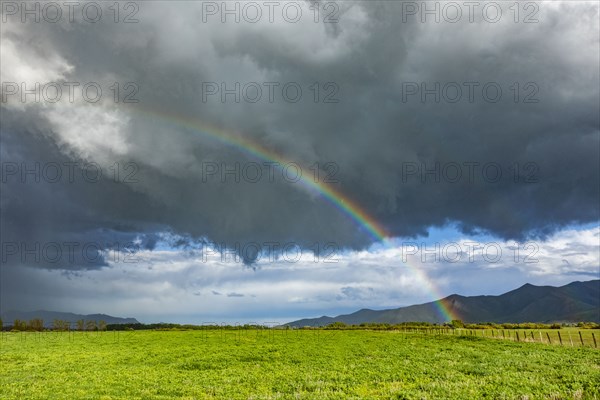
pixel 442 306
pixel 333 195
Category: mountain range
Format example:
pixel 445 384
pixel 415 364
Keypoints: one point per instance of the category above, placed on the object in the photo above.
pixel 575 302
pixel 48 316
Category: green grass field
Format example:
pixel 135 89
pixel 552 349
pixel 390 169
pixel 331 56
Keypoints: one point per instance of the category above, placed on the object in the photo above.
pixel 281 364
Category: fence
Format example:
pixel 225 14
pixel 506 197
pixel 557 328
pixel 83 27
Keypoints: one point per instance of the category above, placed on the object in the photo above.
pixel 565 337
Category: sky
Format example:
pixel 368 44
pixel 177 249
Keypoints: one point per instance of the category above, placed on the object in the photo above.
pixel 253 161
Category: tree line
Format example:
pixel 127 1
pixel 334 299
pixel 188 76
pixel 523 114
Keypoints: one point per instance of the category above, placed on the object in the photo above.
pixel 37 325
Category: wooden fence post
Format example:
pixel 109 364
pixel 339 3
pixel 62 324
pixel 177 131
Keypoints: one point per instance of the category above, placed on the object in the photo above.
pixel 594 337
pixel 559 337
pixel 581 338
pixel 517 333
pixel 549 341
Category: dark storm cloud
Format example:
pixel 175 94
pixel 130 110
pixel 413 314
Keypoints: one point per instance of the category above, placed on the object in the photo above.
pixel 78 219
pixel 373 134
pixel 55 216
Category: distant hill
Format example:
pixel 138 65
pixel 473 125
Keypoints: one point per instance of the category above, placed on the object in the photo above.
pixel 575 302
pixel 49 316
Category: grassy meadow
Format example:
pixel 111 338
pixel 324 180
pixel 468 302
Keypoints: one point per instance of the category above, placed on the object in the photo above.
pixel 294 364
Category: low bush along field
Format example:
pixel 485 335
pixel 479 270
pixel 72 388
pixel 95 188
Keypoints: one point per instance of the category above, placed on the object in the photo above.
pixel 290 364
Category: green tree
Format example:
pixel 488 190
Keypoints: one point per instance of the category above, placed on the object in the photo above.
pixel 19 325
pixel 90 325
pixel 101 325
pixel 36 324
pixel 80 325
pixel 60 325
pixel 457 323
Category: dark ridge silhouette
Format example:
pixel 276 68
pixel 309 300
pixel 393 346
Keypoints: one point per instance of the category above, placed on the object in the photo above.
pixel 575 302
pixel 49 316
